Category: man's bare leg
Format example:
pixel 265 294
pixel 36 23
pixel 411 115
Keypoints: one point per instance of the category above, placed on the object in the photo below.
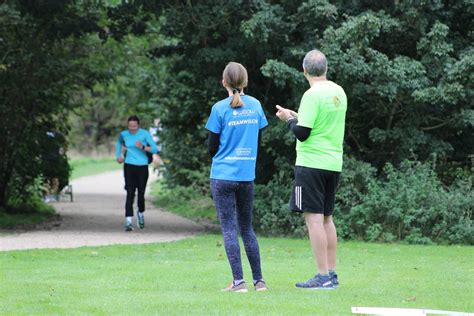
pixel 319 242
pixel 331 236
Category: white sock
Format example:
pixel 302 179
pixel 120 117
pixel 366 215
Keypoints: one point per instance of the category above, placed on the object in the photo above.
pixel 129 219
pixel 237 282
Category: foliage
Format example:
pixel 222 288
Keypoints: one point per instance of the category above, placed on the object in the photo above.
pixel 22 214
pixel 184 201
pixel 408 204
pixel 271 207
pixel 407 70
pixel 412 205
pixel 42 61
pixel 405 66
pixel 131 89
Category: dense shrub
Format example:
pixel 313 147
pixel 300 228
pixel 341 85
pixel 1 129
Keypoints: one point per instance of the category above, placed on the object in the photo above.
pixel 411 204
pixel 271 210
pixel 408 204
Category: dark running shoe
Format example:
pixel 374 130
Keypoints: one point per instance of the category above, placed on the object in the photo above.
pixel 317 283
pixel 141 220
pixel 334 280
pixel 128 227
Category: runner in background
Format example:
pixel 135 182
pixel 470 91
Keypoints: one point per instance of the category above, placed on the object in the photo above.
pixel 137 142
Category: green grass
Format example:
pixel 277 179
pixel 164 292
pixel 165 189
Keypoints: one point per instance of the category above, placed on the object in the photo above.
pixel 184 201
pixel 185 277
pixel 90 166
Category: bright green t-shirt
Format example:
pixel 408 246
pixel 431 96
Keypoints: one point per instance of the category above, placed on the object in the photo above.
pixel 323 109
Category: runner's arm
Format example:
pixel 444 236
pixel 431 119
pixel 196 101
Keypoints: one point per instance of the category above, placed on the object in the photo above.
pixel 118 147
pixel 151 143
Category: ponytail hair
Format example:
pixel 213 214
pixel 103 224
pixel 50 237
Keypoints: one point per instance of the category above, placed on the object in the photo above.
pixel 235 75
pixel 236 100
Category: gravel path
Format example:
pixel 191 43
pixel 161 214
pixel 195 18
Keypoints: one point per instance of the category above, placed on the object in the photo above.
pixel 96 218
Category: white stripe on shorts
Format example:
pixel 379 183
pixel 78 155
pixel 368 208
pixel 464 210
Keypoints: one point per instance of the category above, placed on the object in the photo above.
pixel 298 196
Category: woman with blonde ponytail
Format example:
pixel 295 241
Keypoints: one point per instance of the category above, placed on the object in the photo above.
pixel 235 126
pixel 235 79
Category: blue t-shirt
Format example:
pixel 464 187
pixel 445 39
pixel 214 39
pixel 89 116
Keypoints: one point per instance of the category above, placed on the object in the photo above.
pixel 238 142
pixel 135 156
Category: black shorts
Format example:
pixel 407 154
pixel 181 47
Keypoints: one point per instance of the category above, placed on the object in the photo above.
pixel 314 190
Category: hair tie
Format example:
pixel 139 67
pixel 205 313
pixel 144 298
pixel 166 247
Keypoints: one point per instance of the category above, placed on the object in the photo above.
pixel 236 90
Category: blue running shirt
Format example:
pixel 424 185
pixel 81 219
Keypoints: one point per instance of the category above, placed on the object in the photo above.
pixel 238 143
pixel 135 156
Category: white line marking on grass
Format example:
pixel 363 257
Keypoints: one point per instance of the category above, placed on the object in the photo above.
pixel 404 311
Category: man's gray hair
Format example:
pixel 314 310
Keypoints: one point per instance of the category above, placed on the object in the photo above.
pixel 315 63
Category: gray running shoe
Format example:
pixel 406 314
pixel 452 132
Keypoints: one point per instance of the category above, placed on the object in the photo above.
pixel 317 283
pixel 260 286
pixel 241 288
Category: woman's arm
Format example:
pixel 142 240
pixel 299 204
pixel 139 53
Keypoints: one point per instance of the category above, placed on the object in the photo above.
pixel 151 144
pixel 118 147
pixel 213 144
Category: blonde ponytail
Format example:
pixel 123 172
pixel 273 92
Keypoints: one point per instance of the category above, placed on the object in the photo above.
pixel 235 75
pixel 236 101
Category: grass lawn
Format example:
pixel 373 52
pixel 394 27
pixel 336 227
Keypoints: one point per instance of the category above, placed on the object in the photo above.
pixel 185 277
pixel 90 166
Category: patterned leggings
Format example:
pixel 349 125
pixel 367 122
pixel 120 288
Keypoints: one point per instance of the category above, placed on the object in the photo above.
pixel 234 203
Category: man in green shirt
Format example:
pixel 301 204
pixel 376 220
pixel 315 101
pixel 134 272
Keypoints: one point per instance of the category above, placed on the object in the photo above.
pixel 319 129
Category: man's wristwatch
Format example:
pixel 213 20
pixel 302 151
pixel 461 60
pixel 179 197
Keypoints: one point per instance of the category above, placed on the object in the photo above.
pixel 290 118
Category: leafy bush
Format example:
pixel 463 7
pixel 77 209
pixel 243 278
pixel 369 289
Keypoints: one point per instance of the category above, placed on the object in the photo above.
pixel 272 214
pixel 21 213
pixel 271 211
pixel 185 201
pixel 411 204
pixel 406 204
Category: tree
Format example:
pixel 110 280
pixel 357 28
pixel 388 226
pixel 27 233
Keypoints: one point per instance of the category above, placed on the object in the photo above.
pixel 43 60
pixel 129 90
pixel 406 67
